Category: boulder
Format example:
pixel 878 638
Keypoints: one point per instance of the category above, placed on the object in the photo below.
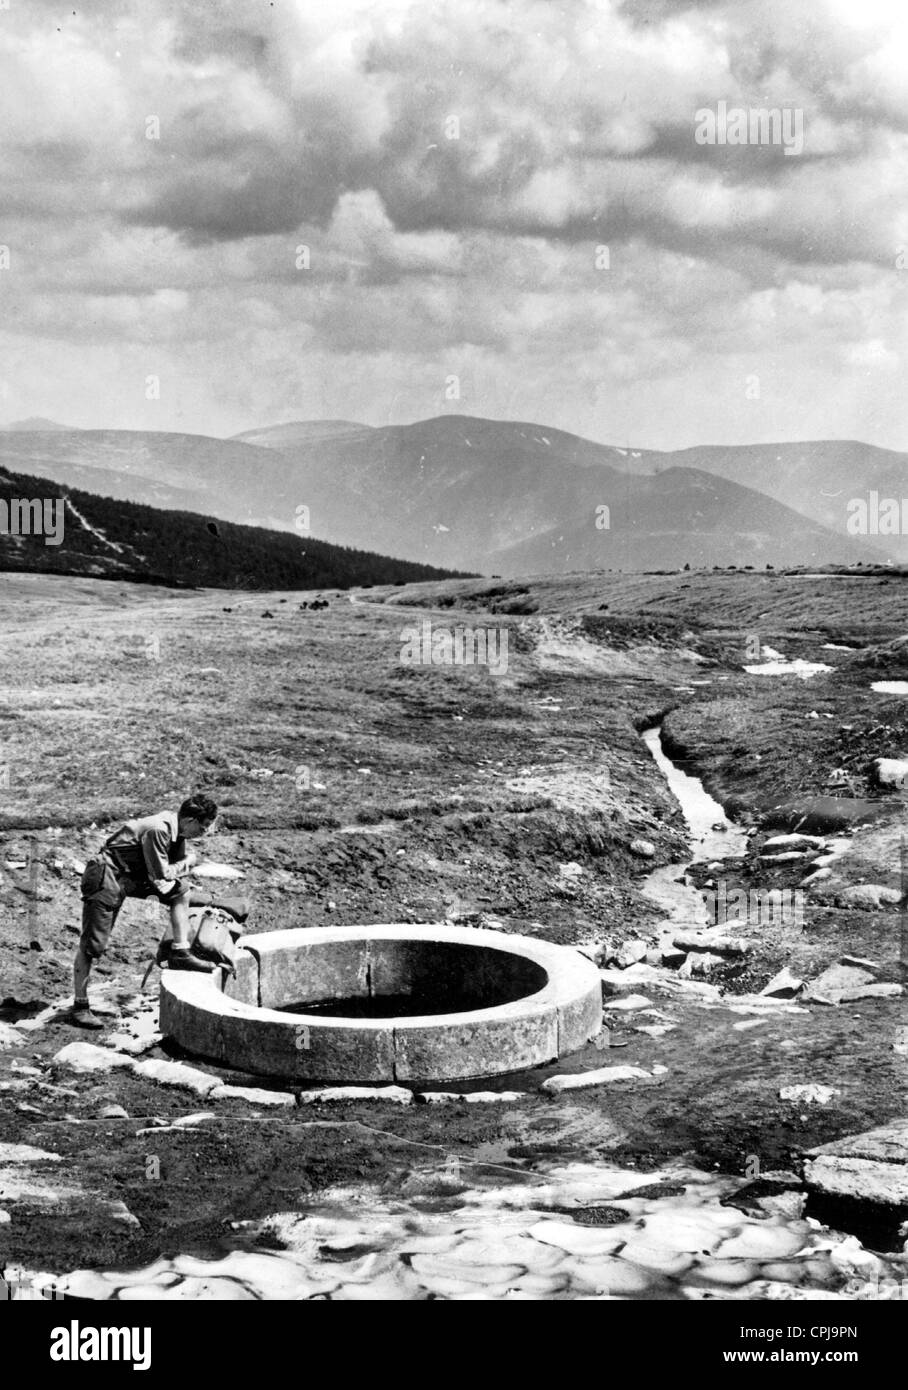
pixel 868 897
pixel 629 953
pixel 782 842
pixel 785 985
pixel 872 1166
pixel 889 772
pixel 644 849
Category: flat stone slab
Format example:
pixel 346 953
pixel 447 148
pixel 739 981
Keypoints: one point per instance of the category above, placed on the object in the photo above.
pixel 871 1167
pixel 605 1076
pixel 255 1095
pixel 322 1095
pixel 176 1074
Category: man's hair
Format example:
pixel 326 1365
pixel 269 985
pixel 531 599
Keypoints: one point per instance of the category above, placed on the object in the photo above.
pixel 198 807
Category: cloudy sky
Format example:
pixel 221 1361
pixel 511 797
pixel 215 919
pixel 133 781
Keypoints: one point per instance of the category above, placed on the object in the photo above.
pixel 452 167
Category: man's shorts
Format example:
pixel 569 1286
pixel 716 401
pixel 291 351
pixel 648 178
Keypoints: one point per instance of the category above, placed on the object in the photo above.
pixel 103 894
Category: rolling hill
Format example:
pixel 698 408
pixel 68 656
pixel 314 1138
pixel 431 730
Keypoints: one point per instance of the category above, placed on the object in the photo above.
pixel 493 496
pixel 515 498
pixel 816 478
pixel 105 538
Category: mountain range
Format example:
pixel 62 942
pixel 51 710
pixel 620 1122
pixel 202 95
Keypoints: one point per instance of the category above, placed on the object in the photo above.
pixel 505 497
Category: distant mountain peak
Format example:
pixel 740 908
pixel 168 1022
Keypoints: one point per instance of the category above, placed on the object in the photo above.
pixel 38 424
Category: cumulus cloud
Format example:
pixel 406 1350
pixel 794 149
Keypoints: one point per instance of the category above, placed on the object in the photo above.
pixel 511 193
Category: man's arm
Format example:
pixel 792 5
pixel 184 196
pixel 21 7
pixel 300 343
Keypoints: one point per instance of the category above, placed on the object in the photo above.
pixel 155 847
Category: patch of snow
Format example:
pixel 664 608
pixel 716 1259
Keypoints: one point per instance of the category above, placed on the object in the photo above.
pixel 804 669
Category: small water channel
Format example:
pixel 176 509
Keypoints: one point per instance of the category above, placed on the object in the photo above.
pixel 713 836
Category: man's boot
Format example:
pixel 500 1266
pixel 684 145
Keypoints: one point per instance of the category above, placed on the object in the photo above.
pixel 82 1016
pixel 185 960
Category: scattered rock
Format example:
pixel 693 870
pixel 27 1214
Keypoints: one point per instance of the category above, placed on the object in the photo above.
pixel 783 842
pixel 119 1211
pixel 872 1166
pixel 10 1037
pixel 620 981
pixel 839 977
pixel 175 1074
pixel 889 772
pixel 869 897
pixel 85 1057
pixel 606 1076
pixel 816 877
pixel 700 963
pixel 253 1094
pixel 785 985
pixel 396 1095
pixel 851 996
pixel 629 953
pixel 703 941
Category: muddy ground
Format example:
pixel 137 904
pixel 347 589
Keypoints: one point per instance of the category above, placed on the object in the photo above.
pixel 358 790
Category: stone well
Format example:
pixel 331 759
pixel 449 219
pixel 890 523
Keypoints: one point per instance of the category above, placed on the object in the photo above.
pixel 466 1004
